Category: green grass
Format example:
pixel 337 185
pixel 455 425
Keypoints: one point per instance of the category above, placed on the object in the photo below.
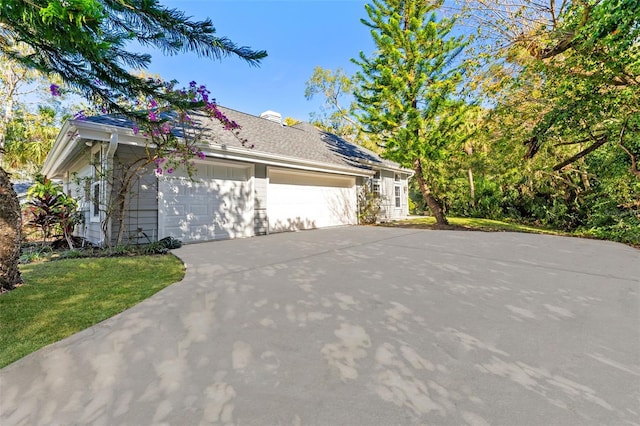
pixel 475 224
pixel 63 297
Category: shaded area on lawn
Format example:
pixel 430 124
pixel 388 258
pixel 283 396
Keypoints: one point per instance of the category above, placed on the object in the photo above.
pixel 485 225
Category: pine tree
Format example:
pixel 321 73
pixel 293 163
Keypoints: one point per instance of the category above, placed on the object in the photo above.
pixel 406 89
pixel 86 42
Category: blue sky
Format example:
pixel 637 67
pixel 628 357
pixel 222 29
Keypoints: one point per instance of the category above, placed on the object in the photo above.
pixel 298 35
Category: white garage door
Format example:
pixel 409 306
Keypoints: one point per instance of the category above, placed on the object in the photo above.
pixel 217 205
pixel 306 200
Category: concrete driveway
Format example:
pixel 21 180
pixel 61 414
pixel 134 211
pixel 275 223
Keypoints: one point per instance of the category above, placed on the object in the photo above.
pixel 358 326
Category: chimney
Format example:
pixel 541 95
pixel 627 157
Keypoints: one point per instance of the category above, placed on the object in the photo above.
pixel 276 117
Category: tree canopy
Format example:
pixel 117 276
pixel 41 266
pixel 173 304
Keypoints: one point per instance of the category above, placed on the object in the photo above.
pixel 89 43
pixel 406 89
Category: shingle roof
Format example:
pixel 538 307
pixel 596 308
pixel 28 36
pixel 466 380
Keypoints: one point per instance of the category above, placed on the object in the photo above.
pixel 302 141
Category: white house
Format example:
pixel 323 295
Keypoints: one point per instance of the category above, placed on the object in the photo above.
pixel 296 177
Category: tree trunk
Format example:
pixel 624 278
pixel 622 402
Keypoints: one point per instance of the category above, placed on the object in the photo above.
pixel 468 149
pixel 10 238
pixel 432 202
pixel 472 187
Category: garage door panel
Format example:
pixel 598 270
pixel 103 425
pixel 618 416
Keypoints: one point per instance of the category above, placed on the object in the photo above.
pixel 310 200
pixel 206 209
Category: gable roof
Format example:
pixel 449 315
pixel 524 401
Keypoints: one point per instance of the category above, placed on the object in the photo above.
pixel 266 139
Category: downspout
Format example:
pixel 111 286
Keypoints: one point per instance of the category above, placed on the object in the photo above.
pixel 111 150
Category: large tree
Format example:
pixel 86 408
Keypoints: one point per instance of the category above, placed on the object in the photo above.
pixel 86 43
pixel 581 59
pixel 406 89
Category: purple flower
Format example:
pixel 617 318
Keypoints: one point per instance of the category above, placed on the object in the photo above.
pixel 135 129
pixel 159 170
pixel 79 115
pixel 201 155
pixel 153 103
pixel 165 128
pixel 169 170
pixel 55 90
pixel 192 84
pixel 152 116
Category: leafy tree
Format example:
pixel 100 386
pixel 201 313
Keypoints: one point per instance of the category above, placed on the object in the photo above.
pixel 564 81
pixel 336 88
pixel 15 81
pixel 85 42
pixel 29 138
pixel 290 121
pixel 406 90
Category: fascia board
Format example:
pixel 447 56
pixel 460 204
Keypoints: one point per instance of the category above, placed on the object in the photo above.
pixel 62 140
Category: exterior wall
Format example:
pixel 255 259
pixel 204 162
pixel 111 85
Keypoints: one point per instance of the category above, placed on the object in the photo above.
pixel 389 182
pixel 260 184
pixel 141 213
pixel 77 183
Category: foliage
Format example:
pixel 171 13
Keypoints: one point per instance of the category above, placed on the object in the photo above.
pixel 61 298
pixel 86 43
pixel 335 87
pixel 29 138
pixel 369 205
pixel 50 208
pixel 290 121
pixel 406 91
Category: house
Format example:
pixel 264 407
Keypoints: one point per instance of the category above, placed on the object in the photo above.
pixel 294 177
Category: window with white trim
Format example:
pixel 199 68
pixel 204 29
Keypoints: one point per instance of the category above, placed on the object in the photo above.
pixel 375 184
pixel 396 191
pixel 95 186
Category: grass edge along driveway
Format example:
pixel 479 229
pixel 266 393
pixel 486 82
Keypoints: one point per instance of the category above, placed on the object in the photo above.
pixel 60 298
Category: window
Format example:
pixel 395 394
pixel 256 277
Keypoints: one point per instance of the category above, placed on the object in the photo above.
pixel 95 207
pixel 375 188
pixel 87 190
pixel 95 186
pixel 396 194
pixel 375 184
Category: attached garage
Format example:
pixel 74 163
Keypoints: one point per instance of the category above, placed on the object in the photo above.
pixel 218 204
pixel 307 200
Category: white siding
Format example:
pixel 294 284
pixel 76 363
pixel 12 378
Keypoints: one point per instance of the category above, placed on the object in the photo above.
pixel 388 183
pixel 141 213
pixel 80 173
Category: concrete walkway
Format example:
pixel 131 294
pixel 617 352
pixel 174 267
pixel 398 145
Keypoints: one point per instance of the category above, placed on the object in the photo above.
pixel 358 326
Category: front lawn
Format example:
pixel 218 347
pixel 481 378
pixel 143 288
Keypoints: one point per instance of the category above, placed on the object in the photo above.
pixel 489 225
pixel 472 224
pixel 60 298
